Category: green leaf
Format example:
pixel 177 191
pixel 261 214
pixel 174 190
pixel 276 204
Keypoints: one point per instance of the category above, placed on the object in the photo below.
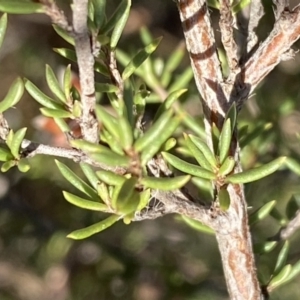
pixel 126 134
pixel 54 85
pixel 144 199
pixel 139 58
pixel 76 181
pixel 145 35
pixel 21 7
pixel 120 22
pixel 227 166
pixel 169 144
pixel 7 165
pixel 165 184
pixel 262 212
pixel 154 132
pixel 280 278
pixel 213 4
pixel 122 199
pixel 224 199
pixel 99 12
pixel 23 165
pixel 156 144
pixel 86 146
pixel 5 155
pixel 85 204
pixel 63 126
pixel 256 173
pixel 293 165
pixel 3 26
pixel 232 115
pixel 197 225
pixel 264 247
pixel 172 63
pixel 67 81
pixel 90 175
pixel 67 53
pixel 239 6
pixel 202 146
pixel 197 154
pixel 111 159
pixel 281 259
pixel 110 122
pixel 105 88
pixel 182 80
pixel 56 113
pixel 294 272
pixel 16 142
pixel 225 140
pixel 187 167
pixel 77 109
pixel 169 101
pixel 292 207
pixel 13 96
pixel 93 229
pixel 40 97
pixel 9 138
pixel 110 178
pixel 64 34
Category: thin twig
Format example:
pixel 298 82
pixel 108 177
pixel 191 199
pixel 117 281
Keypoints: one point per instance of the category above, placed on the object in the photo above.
pixel 85 59
pixel 30 149
pixel 226 27
pixel 256 13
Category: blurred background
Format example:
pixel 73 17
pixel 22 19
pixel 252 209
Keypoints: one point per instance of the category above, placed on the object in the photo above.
pixel 151 260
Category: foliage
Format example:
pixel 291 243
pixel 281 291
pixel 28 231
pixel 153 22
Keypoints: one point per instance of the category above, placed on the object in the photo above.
pixel 120 182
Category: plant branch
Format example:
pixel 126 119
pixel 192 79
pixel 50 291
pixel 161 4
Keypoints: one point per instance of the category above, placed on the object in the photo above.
pixel 30 149
pixel 85 59
pixel 285 33
pixel 226 27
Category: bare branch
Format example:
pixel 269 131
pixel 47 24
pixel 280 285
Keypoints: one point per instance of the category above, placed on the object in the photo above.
pixel 288 230
pixel 200 43
pixel 285 33
pixel 226 27
pixel 31 149
pixel 256 13
pixel 85 59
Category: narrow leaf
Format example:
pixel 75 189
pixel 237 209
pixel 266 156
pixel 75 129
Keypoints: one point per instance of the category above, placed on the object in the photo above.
pixel 64 34
pixel 264 247
pixel 90 175
pixel 262 212
pixel 293 165
pixel 40 97
pixel 93 229
pixel 210 157
pixel 76 181
pixel 197 154
pixel 85 204
pixel 111 159
pixel 165 184
pixel 227 166
pixel 197 225
pixel 67 81
pixel 154 132
pixel 144 199
pixel 282 257
pixel 56 113
pixel 225 140
pixel 16 142
pixel 21 7
pixel 105 88
pixel 280 278
pixel 8 165
pixel 110 178
pixel 23 165
pixel 5 155
pixel 256 173
pixel 187 167
pixel 13 96
pixel 156 144
pixel 120 23
pixel 139 58
pixel 3 26
pixel 99 12
pixel 54 85
pixel 224 199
